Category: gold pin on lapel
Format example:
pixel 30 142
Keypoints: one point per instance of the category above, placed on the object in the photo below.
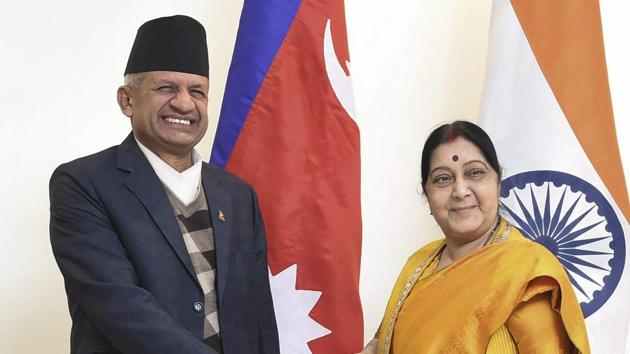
pixel 221 215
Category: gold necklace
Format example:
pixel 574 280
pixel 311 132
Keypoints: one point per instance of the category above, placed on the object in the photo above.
pixel 492 233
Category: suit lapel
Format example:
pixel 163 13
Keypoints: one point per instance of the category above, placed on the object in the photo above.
pixel 145 185
pixel 220 208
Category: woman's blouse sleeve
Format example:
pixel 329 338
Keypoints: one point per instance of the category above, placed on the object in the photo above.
pixel 537 328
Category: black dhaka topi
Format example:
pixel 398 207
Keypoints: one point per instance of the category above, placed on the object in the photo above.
pixel 175 43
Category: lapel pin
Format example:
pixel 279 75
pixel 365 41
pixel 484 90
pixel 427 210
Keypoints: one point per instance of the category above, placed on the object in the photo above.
pixel 221 215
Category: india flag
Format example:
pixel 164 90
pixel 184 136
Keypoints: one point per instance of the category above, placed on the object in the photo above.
pixel 547 107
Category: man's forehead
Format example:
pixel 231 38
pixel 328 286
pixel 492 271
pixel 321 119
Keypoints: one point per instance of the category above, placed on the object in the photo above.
pixel 177 77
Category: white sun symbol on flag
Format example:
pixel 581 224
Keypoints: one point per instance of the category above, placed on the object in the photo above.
pixel 295 327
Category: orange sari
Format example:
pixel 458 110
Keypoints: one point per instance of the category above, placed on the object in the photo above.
pixel 463 308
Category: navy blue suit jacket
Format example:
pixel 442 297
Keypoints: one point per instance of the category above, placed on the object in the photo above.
pixel 131 285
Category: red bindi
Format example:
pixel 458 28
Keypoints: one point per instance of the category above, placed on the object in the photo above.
pixel 455 157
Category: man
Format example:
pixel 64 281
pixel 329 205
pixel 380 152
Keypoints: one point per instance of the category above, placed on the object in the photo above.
pixel 160 252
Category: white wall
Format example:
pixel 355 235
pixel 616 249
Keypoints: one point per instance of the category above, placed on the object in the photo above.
pixel 414 64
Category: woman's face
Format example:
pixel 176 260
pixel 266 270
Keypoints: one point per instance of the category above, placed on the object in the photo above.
pixel 463 191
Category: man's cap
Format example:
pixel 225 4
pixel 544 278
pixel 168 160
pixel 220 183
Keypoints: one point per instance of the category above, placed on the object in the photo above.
pixel 175 43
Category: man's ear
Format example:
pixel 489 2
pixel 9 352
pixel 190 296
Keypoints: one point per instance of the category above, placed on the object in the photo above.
pixel 125 102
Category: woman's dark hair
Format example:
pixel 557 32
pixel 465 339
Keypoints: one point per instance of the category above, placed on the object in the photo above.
pixel 449 132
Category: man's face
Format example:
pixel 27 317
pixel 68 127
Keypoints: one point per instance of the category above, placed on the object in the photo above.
pixel 168 111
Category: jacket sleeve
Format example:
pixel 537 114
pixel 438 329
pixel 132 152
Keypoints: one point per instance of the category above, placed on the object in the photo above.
pixel 267 326
pixel 100 279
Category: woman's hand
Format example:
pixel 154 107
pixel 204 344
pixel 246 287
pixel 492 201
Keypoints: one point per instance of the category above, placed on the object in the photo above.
pixel 370 348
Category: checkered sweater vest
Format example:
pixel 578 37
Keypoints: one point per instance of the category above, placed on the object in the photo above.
pixel 195 224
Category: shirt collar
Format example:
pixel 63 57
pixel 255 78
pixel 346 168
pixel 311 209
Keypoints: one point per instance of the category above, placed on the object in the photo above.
pixel 185 184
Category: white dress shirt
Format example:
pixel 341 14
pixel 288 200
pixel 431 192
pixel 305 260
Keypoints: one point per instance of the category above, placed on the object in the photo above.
pixel 184 185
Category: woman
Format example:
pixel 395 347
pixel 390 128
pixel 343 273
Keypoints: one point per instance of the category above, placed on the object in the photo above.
pixel 484 288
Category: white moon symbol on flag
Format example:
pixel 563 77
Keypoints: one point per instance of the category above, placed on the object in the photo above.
pixel 340 83
pixel 292 306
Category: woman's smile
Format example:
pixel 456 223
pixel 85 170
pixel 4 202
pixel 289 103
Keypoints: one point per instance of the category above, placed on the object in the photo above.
pixel 464 209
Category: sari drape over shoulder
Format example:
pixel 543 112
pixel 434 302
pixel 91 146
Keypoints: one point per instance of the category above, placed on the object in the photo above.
pixel 460 308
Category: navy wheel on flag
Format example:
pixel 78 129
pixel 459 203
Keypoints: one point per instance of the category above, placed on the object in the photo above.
pixel 576 223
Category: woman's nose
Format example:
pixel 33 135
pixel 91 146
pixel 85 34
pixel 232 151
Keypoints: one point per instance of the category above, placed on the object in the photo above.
pixel 460 189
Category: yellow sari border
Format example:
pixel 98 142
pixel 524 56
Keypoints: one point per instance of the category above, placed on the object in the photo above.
pixel 401 299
